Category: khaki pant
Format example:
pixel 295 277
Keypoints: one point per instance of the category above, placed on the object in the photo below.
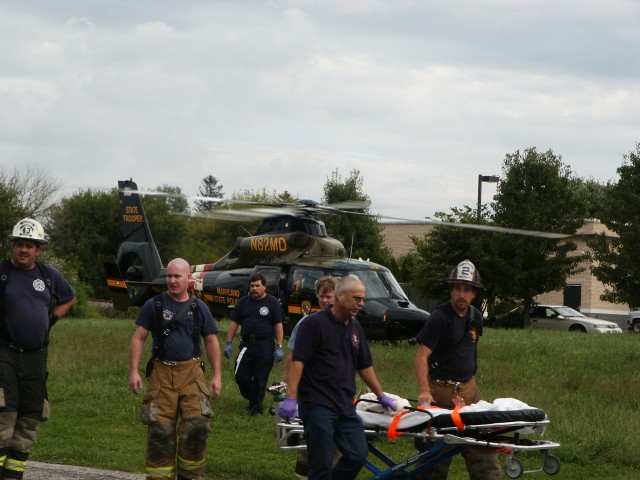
pixel 482 464
pixel 176 391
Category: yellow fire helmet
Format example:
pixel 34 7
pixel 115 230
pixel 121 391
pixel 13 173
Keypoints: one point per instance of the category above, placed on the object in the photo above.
pixel 29 229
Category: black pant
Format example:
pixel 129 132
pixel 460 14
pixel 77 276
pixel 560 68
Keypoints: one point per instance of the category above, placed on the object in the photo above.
pixel 23 377
pixel 253 367
pixel 23 406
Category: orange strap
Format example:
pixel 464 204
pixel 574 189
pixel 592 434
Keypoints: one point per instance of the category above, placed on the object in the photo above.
pixel 457 420
pixel 392 432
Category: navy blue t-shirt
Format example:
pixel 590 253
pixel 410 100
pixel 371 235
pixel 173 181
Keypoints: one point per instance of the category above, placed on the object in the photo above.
pixel 27 304
pixel 444 332
pixel 332 354
pixel 178 345
pixel 258 317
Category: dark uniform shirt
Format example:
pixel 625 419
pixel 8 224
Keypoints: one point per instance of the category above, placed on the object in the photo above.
pixel 27 301
pixel 179 344
pixel 332 354
pixel 453 342
pixel 258 317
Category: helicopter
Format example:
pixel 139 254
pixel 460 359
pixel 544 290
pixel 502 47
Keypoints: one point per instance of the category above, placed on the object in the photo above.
pixel 291 248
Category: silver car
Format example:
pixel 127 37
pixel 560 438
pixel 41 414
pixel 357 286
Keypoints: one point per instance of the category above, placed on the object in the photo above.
pixel 566 318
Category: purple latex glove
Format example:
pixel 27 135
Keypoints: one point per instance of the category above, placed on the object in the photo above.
pixel 288 408
pixel 388 402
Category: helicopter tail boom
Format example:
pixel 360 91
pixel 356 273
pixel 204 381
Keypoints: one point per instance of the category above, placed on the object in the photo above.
pixel 133 275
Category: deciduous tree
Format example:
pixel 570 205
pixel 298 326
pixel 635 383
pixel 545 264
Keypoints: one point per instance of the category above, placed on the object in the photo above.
pixel 534 194
pixel 35 189
pixel 443 247
pixel 84 228
pixel 618 257
pixel 168 217
pixel 11 211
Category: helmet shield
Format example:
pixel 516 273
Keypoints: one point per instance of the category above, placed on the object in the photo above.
pixel 28 229
pixel 465 272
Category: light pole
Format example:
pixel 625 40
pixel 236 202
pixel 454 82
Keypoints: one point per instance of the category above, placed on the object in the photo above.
pixel 488 179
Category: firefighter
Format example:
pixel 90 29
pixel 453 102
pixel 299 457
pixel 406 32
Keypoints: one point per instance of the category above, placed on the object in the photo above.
pixel 33 296
pixel 177 389
pixel 446 365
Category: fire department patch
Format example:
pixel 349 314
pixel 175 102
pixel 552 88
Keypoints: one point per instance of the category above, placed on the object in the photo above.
pixel 167 314
pixel 38 285
pixel 264 311
pixel 355 340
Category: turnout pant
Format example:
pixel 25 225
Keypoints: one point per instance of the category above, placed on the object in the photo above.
pixel 253 366
pixel 481 464
pixel 23 406
pixel 177 391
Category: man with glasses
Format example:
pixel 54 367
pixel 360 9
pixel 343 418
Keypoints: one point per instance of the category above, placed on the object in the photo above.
pixel 330 349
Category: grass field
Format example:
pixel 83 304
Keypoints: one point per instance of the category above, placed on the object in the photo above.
pixel 588 385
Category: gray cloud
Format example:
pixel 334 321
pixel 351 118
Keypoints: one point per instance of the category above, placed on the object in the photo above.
pixel 421 97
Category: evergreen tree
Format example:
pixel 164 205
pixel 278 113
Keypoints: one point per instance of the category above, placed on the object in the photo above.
pixel 360 234
pixel 209 187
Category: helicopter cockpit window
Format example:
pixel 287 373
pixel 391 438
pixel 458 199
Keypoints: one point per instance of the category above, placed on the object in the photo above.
pixel 393 286
pixel 304 281
pixel 380 284
pixel 373 285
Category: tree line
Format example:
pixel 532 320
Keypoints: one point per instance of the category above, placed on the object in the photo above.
pixel 536 191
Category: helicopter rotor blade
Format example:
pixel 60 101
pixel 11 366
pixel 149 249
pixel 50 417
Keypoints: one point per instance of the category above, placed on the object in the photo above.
pixel 220 201
pixel 474 226
pixel 307 207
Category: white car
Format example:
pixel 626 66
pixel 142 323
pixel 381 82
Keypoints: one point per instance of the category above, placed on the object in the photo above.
pixel 566 318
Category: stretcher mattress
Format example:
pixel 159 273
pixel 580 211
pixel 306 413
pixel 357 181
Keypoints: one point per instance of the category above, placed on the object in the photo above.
pixel 501 411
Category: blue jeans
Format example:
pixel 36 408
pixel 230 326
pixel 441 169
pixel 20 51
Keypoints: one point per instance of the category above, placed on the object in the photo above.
pixel 324 428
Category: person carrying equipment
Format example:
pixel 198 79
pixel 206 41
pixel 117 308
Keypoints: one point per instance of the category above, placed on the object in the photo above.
pixel 446 364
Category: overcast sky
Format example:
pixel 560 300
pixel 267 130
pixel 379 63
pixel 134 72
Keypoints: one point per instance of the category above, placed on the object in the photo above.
pixel 420 96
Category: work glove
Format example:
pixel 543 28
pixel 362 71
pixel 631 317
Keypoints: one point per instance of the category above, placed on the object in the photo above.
pixel 288 408
pixel 278 355
pixel 228 348
pixel 387 401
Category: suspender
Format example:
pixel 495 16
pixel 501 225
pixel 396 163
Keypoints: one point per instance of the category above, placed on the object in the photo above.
pixel 162 333
pixel 471 324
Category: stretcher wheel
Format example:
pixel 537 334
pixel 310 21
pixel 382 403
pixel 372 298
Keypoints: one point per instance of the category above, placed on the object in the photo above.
pixel 550 465
pixel 513 468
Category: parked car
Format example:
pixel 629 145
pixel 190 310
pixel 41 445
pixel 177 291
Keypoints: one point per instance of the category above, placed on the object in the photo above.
pixel 557 317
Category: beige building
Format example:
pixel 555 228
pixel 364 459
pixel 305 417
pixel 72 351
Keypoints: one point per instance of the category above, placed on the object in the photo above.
pixel 582 291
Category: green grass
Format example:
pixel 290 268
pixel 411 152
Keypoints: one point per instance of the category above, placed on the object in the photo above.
pixel 588 385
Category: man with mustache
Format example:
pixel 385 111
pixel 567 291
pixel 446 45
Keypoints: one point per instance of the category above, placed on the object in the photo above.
pixel 446 364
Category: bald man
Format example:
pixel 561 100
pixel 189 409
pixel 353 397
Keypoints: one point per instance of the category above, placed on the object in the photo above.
pixel 176 407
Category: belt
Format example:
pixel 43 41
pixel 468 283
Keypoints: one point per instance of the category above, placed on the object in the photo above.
pixel 174 363
pixel 255 338
pixel 18 348
pixel 455 383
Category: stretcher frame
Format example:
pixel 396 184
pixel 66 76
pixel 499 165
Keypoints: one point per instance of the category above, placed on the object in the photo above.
pixel 443 444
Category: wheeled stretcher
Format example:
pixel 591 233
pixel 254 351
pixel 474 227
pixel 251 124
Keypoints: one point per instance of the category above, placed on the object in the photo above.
pixel 503 426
